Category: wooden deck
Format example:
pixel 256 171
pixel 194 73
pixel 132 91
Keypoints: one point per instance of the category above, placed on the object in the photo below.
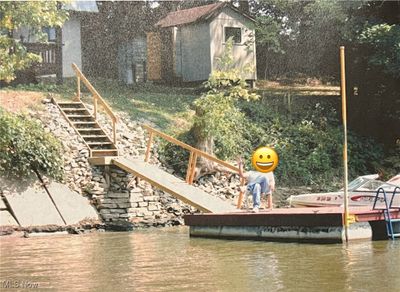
pixel 174 186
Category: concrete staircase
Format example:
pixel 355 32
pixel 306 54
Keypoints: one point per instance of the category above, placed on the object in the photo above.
pixel 85 124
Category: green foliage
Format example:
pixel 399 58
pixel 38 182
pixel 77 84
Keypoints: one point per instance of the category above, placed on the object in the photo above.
pixel 301 37
pixel 390 166
pixel 217 116
pixel 309 145
pixel 26 147
pixel 18 14
pixel 384 42
pixel 66 89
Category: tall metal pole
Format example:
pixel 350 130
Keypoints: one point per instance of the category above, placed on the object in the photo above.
pixel 344 116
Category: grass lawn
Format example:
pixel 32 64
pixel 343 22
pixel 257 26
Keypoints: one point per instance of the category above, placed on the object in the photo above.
pixel 169 108
pixel 266 87
pixel 166 107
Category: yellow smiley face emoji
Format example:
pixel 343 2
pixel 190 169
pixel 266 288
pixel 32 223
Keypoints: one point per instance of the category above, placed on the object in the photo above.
pixel 265 159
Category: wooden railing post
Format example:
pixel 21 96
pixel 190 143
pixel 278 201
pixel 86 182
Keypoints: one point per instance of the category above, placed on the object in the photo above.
pixel 147 156
pixel 95 107
pixel 189 168
pixel 114 128
pixel 193 170
pixel 78 91
pixel 240 199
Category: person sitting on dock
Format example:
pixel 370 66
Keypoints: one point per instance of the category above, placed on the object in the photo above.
pixel 260 182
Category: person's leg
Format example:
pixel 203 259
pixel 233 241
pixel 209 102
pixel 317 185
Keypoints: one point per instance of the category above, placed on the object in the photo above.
pixel 256 192
pixel 263 182
pixel 269 201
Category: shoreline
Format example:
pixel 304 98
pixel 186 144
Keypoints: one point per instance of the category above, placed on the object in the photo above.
pixel 9 231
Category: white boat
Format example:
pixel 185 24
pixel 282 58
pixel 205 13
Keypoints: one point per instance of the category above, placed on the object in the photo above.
pixel 361 191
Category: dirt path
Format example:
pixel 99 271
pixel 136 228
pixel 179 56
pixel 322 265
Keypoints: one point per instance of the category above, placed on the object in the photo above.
pixel 16 101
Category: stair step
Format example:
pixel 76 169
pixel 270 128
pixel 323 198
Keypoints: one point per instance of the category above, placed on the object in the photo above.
pixel 70 105
pixel 85 131
pixel 99 143
pixel 102 147
pixel 79 116
pixel 91 130
pixel 90 125
pixel 81 119
pixel 74 109
pixel 104 152
pixel 94 136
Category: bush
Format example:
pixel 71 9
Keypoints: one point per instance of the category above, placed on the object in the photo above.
pixel 309 143
pixel 25 147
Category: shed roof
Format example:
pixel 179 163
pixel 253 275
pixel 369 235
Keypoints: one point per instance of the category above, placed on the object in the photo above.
pixel 186 16
pixel 82 6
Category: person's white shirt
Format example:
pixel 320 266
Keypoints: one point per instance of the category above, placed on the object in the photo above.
pixel 252 175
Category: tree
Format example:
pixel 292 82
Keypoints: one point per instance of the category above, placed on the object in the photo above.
pixel 15 15
pixel 300 36
pixel 375 73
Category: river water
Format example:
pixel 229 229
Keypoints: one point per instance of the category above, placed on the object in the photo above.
pixel 167 259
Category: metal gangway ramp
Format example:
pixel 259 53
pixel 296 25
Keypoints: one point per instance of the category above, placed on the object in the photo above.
pixel 174 186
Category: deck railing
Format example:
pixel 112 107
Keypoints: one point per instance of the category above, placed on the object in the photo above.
pixel 48 52
pixel 97 100
pixel 194 155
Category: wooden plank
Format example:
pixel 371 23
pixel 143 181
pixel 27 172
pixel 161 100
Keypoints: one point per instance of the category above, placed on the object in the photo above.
pixel 153 56
pixel 148 149
pixel 174 186
pixel 101 160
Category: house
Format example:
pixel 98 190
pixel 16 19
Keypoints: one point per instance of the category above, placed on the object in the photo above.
pixel 63 46
pixel 189 42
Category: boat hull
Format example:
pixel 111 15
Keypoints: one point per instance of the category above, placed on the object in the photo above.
pixel 336 199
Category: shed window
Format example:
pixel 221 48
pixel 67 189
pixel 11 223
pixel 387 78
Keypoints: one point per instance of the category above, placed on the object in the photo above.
pixel 235 33
pixel 51 33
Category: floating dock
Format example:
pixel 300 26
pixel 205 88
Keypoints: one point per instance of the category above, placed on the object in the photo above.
pixel 314 225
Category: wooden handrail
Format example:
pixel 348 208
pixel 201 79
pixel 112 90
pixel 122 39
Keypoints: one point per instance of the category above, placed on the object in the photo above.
pixel 191 149
pixel 97 99
pixel 96 95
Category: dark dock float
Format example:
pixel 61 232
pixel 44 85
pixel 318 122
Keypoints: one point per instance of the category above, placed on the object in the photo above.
pixel 314 225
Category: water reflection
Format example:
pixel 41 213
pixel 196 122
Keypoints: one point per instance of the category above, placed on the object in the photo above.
pixel 168 260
